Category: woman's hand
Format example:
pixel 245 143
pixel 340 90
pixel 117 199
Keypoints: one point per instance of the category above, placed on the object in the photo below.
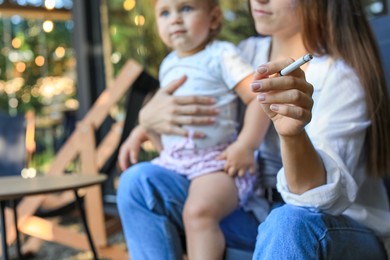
pixel 165 114
pixel 287 100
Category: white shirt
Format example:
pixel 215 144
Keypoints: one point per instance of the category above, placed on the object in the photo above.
pixel 337 130
pixel 213 72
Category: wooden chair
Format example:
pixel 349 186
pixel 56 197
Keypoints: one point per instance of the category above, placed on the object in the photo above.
pixel 81 145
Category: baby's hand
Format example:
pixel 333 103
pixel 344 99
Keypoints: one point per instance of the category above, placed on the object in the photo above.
pixel 239 159
pixel 129 150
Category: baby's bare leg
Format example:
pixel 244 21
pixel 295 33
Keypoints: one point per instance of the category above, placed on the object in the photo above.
pixel 211 197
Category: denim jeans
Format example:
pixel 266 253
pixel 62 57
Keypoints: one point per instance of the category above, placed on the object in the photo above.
pixel 151 199
pixel 150 203
pixel 291 232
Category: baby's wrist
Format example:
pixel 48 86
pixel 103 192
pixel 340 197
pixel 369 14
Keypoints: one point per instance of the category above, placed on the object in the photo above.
pixel 247 145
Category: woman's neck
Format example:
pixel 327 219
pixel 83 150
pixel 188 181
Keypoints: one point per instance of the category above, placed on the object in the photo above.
pixel 287 47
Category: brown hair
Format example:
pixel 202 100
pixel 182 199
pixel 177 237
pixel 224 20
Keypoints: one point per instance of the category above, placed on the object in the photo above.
pixel 340 29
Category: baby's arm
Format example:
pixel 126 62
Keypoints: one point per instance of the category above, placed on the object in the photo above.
pixel 129 150
pixel 240 154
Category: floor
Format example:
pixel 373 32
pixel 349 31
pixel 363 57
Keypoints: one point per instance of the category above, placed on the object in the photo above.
pixel 54 251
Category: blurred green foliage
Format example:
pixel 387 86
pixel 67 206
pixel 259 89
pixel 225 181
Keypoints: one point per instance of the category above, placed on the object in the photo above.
pixel 33 42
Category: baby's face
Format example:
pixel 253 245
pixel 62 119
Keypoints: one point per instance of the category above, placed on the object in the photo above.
pixel 185 25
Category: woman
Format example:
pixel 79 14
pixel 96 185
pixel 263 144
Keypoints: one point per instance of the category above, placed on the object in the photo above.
pixel 330 125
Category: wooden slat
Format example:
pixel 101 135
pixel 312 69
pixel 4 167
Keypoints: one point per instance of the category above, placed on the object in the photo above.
pixel 32 12
pixel 65 155
pixel 26 208
pixel 116 90
pixel 93 209
pixel 55 201
pixel 109 144
pixel 49 231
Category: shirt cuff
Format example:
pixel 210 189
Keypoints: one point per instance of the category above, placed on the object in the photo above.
pixel 333 197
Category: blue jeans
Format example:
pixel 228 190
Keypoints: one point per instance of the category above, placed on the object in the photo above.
pixel 151 201
pixel 291 232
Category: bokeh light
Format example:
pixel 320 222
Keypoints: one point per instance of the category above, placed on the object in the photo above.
pixel 50 4
pixel 48 26
pixel 129 5
pixel 60 52
pixel 40 61
pixel 16 43
pixel 139 20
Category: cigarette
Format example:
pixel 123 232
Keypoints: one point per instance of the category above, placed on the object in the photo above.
pixel 296 64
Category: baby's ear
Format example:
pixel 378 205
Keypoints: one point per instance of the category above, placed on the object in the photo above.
pixel 216 18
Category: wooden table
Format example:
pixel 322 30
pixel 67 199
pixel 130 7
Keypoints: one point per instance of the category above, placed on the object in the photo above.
pixel 15 187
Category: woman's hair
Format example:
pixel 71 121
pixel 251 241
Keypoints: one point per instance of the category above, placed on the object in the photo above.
pixel 339 28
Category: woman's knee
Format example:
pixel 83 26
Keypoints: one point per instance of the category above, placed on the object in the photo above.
pixel 289 229
pixel 151 186
pixel 133 180
pixel 292 219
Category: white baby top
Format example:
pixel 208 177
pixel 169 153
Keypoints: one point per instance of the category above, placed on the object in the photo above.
pixel 213 72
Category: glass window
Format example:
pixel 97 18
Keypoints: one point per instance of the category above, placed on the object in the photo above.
pixel 37 73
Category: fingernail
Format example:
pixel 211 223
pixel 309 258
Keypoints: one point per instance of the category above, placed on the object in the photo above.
pixel 261 97
pixel 274 107
pixel 256 86
pixel 261 69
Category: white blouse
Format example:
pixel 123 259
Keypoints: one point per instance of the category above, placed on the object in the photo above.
pixel 337 130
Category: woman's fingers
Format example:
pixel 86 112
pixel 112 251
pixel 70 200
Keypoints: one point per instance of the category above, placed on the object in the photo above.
pixel 192 120
pixel 193 100
pixel 287 100
pixel 166 114
pixel 271 68
pixel 195 109
pixel 291 97
pixel 282 83
pixel 293 112
pixel 185 100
